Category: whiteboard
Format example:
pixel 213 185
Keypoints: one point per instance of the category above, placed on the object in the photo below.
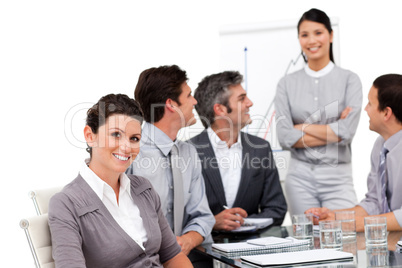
pixel 264 53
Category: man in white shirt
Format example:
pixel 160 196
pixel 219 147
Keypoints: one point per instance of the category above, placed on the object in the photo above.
pixel 239 170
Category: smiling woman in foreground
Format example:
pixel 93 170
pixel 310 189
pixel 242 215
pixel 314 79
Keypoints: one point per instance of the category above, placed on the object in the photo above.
pixel 105 218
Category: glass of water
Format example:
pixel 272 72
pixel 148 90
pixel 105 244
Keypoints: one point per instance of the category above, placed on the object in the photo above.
pixel 331 234
pixel 377 256
pixel 348 223
pixel 303 227
pixel 375 229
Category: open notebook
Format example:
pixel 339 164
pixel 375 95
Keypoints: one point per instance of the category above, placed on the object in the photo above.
pixel 261 246
pixel 253 224
pixel 294 258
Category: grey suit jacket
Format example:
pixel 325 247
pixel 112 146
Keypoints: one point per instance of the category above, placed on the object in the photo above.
pixel 85 234
pixel 260 192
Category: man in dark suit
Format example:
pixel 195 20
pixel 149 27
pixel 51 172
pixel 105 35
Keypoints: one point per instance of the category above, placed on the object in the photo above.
pixel 239 170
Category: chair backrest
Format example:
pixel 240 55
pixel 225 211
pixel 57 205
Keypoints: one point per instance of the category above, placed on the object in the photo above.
pixel 38 235
pixel 41 198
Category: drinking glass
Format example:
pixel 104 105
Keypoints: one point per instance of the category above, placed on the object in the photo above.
pixel 375 229
pixel 331 234
pixel 348 223
pixel 377 256
pixel 303 227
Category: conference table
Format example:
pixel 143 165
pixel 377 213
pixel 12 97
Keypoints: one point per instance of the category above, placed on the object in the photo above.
pixel 386 257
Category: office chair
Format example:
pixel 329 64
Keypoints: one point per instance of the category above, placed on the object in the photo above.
pixel 37 232
pixel 41 198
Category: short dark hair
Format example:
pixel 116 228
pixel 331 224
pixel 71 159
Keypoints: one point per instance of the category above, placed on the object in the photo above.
pixel 389 90
pixel 155 86
pixel 319 16
pixel 214 89
pixel 109 105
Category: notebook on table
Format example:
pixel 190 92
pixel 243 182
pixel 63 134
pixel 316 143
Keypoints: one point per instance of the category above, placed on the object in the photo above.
pixel 253 224
pixel 315 256
pixel 263 245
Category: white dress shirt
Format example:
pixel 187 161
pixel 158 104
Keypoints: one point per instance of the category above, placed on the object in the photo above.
pixel 126 212
pixel 229 161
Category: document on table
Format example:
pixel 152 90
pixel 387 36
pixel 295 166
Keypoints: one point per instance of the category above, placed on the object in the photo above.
pixel 253 224
pixel 260 223
pixel 299 257
pixel 261 246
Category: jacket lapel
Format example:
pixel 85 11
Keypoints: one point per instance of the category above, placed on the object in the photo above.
pixel 211 171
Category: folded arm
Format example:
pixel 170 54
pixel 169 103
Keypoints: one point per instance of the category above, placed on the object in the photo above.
pixel 318 135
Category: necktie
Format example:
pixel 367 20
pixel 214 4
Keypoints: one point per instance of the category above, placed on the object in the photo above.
pixel 178 199
pixel 383 178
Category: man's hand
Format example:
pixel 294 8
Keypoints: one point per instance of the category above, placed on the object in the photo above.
pixel 299 127
pixel 321 214
pixel 188 241
pixel 230 219
pixel 345 112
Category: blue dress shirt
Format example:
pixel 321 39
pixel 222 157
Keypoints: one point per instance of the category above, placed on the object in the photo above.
pixel 153 164
pixel 372 203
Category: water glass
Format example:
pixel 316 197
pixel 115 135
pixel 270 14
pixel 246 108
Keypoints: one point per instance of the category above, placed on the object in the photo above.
pixel 377 256
pixel 350 246
pixel 375 229
pixel 331 234
pixel 303 226
pixel 348 223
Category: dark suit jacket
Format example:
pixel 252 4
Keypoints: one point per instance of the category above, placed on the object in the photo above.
pixel 260 192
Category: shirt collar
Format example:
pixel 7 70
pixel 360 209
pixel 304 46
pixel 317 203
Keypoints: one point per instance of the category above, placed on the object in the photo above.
pixel 98 185
pixel 157 137
pixel 125 184
pixel 217 143
pixel 393 140
pixel 317 74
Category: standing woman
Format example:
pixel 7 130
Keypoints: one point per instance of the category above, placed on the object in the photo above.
pixel 105 218
pixel 317 113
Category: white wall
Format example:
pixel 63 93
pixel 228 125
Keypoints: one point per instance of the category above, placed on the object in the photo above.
pixel 59 55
